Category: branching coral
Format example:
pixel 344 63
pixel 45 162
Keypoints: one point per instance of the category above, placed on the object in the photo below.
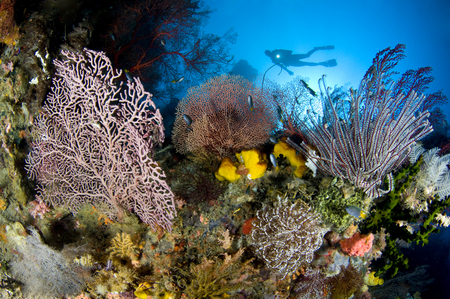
pixel 123 247
pixel 286 237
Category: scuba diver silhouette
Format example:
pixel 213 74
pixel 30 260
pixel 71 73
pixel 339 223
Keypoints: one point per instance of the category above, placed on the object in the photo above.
pixel 285 58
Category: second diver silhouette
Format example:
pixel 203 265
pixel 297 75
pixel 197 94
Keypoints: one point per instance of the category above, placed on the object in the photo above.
pixel 285 58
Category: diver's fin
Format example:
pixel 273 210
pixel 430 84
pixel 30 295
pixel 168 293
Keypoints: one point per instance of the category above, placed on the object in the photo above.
pixel 329 63
pixel 324 48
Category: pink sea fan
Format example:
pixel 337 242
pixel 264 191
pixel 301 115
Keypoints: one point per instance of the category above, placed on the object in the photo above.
pixel 94 143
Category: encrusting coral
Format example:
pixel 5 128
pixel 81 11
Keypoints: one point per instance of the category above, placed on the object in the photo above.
pixel 333 198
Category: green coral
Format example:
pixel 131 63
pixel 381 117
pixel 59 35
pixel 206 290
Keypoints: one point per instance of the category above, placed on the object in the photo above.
pixel 436 207
pixel 389 214
pixel 386 216
pixel 389 211
pixel 331 204
pixel 397 259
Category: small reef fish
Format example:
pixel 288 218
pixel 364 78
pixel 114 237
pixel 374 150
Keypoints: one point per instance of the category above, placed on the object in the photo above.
pixel 250 102
pixel 177 81
pixel 128 75
pixel 273 139
pixel 18 51
pixel 163 42
pixel 310 90
pixel 96 125
pixel 113 36
pixel 188 121
pixel 273 160
pixel 280 113
pixel 356 212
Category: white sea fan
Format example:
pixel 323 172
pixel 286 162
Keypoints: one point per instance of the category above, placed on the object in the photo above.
pixel 434 175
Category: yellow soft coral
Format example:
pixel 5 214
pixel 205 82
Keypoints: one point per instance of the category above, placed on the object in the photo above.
pixel 371 280
pixel 227 171
pixel 123 247
pixel 296 161
pixel 254 161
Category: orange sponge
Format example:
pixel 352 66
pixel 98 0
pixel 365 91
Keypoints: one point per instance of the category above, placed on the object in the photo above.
pixel 357 245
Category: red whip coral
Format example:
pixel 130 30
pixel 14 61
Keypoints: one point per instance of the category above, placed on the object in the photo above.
pixel 94 143
pixel 223 122
pixel 357 245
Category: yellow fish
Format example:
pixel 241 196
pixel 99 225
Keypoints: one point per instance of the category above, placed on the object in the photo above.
pixel 356 212
pixel 177 81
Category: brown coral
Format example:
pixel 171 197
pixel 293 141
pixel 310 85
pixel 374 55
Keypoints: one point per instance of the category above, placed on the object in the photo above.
pixel 312 285
pixel 218 279
pixel 346 283
pixel 9 32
